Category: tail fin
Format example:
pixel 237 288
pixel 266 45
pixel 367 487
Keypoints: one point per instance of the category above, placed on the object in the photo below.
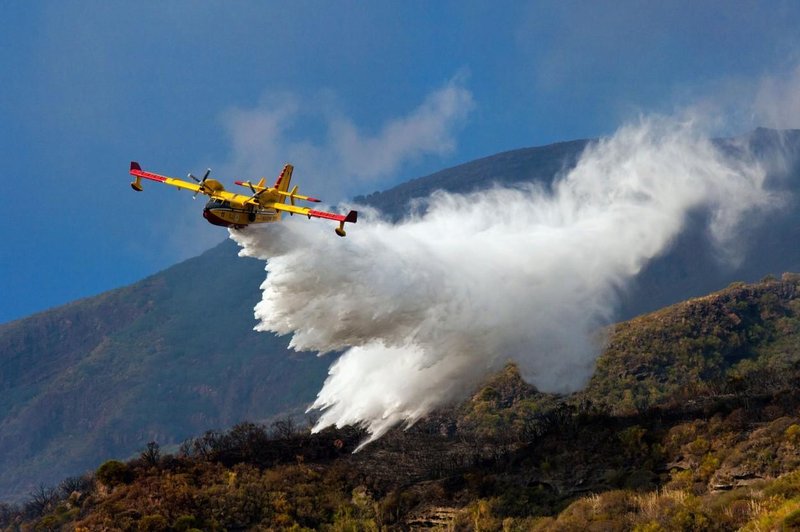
pixel 282 184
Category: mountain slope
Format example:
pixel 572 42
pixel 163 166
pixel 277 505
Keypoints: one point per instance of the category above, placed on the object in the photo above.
pixel 175 355
pixel 153 361
pixel 510 457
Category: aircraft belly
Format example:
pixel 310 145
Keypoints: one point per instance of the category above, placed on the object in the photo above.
pixel 212 218
pixel 239 217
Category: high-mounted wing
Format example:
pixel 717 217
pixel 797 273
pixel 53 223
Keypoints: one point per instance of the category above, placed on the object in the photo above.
pixel 137 172
pixel 292 195
pixel 350 217
pixel 209 187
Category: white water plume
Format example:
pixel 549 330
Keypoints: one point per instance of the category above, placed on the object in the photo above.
pixel 427 307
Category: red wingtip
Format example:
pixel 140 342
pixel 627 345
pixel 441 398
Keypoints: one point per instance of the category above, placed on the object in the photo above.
pixel 315 200
pixel 351 217
pixel 135 166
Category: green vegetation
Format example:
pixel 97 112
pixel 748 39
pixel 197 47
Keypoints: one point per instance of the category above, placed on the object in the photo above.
pixel 691 422
pixel 113 473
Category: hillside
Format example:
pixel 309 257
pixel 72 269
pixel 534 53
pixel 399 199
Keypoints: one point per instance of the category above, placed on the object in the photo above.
pixel 175 354
pixel 155 360
pixel 706 436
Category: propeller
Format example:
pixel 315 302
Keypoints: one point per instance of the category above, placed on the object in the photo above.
pixel 256 193
pixel 200 181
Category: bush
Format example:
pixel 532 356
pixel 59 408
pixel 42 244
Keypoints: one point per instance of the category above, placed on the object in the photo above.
pixel 185 523
pixel 792 521
pixel 786 486
pixel 152 523
pixel 792 434
pixel 632 441
pixel 114 472
pixel 70 485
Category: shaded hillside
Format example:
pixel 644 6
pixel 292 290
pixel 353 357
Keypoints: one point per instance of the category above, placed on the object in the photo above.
pixel 163 359
pixel 511 458
pixel 175 355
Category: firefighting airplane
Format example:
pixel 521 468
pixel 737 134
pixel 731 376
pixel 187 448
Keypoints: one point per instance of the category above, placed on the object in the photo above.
pixel 229 209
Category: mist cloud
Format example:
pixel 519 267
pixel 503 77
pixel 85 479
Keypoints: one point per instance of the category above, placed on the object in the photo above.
pixel 428 129
pixel 777 101
pixel 345 157
pixel 426 308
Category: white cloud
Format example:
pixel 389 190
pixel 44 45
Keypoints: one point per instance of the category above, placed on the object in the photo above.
pixel 259 135
pixel 777 101
pixel 345 158
pixel 428 129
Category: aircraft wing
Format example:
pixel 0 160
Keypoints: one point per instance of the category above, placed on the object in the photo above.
pixel 351 217
pixel 210 187
pixel 137 171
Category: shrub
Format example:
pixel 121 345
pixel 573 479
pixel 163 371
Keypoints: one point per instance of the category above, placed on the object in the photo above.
pixel 632 440
pixel 185 523
pixel 114 472
pixel 70 485
pixel 793 434
pixel 792 521
pixel 787 486
pixel 699 446
pixel 152 523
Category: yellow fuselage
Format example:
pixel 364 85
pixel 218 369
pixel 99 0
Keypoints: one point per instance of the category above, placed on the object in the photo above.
pixel 229 214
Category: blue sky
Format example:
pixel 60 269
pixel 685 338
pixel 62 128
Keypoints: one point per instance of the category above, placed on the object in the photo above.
pixel 358 96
